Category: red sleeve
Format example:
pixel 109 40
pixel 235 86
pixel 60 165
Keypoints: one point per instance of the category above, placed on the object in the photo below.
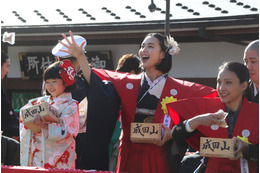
pixel 188 108
pixel 194 90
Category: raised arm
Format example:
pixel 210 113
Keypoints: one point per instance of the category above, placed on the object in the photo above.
pixel 77 51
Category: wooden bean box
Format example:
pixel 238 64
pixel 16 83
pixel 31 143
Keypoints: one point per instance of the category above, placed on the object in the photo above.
pixel 45 110
pixel 217 147
pixel 146 132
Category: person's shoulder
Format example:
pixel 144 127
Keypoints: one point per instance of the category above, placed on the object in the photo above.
pixel 250 108
pixel 70 100
pixel 250 103
pixel 73 101
pixel 191 89
pixel 115 75
pixel 38 99
pixel 181 82
pixel 186 83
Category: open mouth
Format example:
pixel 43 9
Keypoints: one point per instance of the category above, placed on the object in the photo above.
pixel 145 58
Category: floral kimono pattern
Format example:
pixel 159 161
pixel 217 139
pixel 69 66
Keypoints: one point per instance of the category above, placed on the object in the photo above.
pixel 54 147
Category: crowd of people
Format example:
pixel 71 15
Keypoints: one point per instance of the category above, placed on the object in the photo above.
pixel 97 107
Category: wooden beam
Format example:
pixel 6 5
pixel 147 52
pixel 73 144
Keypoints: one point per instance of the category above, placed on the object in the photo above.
pixel 205 34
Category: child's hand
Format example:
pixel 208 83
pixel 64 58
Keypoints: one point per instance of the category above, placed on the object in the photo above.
pixel 38 120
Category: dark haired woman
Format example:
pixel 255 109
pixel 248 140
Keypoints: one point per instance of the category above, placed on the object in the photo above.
pixel 242 120
pixel 141 96
pixel 54 145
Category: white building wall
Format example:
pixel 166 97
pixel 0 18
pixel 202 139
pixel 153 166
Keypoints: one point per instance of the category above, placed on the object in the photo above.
pixel 195 60
pixel 201 60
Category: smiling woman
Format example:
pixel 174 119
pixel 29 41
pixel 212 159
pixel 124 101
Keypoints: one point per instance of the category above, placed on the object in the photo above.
pixel 232 84
pixel 144 91
pixel 242 120
pixel 153 46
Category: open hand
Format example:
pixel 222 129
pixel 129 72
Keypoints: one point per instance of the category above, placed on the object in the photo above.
pixel 72 47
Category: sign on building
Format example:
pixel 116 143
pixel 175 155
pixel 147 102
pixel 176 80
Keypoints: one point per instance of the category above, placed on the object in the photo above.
pixel 101 60
pixel 33 64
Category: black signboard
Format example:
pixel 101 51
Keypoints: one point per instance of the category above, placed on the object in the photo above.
pixel 102 59
pixel 34 64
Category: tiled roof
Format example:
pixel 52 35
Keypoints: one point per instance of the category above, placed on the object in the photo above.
pixel 52 12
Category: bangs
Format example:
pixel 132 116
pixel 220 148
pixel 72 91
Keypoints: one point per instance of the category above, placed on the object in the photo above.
pixel 52 72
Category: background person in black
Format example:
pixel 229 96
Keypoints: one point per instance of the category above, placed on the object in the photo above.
pixel 9 119
pixel 92 146
pixel 10 151
pixel 251 60
pixel 80 93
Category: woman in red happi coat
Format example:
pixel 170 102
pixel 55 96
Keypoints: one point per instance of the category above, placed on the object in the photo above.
pixel 143 99
pixel 202 118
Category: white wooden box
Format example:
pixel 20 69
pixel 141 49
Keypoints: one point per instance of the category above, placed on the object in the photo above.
pixel 45 110
pixel 217 147
pixel 146 132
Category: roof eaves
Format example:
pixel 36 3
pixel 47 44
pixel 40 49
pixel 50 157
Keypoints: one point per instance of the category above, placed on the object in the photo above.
pixel 140 25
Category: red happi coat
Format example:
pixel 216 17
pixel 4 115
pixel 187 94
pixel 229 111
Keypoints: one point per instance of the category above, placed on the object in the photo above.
pixel 248 119
pixel 138 157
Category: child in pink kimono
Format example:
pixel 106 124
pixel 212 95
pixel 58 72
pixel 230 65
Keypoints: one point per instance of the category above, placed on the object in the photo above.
pixel 54 146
